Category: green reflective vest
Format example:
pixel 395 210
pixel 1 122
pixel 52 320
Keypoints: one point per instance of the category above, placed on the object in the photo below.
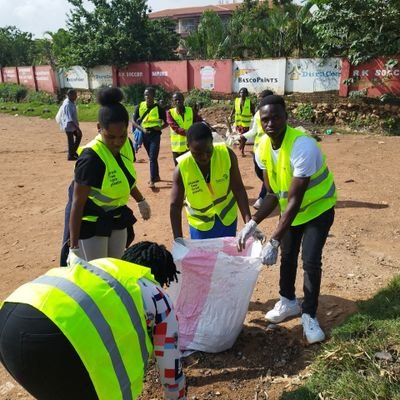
pixel 179 142
pixel 99 308
pixel 320 195
pixel 152 119
pixel 201 204
pixel 243 116
pixel 260 131
pixel 115 189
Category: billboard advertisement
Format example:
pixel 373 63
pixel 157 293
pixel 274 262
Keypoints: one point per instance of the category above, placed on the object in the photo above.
pixel 75 77
pixel 306 75
pixel 99 76
pixel 258 75
pixel 213 75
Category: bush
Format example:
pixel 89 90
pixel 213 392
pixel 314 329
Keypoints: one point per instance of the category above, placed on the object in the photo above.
pixel 392 126
pixel 40 97
pixel 134 94
pixel 200 97
pixel 304 112
pixel 11 92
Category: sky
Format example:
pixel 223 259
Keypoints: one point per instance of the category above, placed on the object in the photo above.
pixel 39 16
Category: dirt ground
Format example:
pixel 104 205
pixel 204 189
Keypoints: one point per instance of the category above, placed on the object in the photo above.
pixel 362 253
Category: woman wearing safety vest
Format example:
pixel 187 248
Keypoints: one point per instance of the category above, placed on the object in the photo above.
pixel 180 119
pixel 297 178
pixel 105 177
pixel 256 132
pixel 207 180
pixel 87 332
pixel 149 117
pixel 243 111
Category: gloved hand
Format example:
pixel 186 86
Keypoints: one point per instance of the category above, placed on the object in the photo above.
pixel 180 241
pixel 144 209
pixel 248 230
pixel 71 253
pixel 259 235
pixel 270 253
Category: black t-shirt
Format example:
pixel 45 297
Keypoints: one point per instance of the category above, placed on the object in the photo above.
pixel 90 169
pixel 161 114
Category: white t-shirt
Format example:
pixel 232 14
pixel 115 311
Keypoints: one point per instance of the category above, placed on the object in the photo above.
pixel 305 159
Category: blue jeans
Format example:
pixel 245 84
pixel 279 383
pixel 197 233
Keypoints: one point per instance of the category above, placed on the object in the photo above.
pixel 311 236
pixel 151 142
pixel 217 231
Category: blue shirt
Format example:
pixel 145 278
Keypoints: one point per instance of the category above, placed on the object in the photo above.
pixel 69 116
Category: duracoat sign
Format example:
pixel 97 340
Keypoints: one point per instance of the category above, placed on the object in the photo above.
pixel 258 75
pixel 305 75
pixel 99 76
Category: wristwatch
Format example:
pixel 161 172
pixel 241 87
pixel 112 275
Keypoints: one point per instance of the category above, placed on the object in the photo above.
pixel 275 243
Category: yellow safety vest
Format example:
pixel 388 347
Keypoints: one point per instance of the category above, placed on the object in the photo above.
pixel 243 116
pixel 99 308
pixel 201 204
pixel 115 189
pixel 320 195
pixel 179 142
pixel 152 119
pixel 260 132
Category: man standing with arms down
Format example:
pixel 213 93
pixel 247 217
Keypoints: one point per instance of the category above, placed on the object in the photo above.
pixel 70 124
pixel 298 179
pixel 150 118
pixel 180 119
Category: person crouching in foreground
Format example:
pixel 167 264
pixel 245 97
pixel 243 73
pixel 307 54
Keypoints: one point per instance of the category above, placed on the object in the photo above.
pixel 87 332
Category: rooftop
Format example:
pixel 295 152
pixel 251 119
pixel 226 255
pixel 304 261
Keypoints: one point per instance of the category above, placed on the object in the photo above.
pixel 190 11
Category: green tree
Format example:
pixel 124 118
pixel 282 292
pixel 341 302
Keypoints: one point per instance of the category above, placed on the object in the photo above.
pixel 259 30
pixel 16 47
pixel 117 32
pixel 357 29
pixel 208 40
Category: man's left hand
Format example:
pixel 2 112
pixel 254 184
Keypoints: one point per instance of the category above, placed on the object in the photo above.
pixel 269 254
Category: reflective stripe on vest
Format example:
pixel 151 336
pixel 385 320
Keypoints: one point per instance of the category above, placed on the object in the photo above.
pixel 152 118
pixel 260 131
pixel 99 308
pixel 179 142
pixel 115 189
pixel 201 205
pixel 320 195
pixel 243 116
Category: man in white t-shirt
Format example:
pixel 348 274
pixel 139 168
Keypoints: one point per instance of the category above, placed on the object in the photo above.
pixel 297 178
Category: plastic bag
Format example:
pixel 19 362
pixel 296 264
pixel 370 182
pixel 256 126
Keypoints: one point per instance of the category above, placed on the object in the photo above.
pixel 214 291
pixel 59 116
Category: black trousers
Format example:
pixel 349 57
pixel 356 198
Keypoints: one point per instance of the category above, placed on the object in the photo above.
pixel 311 236
pixel 74 140
pixel 39 357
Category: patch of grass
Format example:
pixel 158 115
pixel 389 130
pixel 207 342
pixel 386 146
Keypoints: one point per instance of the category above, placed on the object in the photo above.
pixel 86 112
pixel 349 365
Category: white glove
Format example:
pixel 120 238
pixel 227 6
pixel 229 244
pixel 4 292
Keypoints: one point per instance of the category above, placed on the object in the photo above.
pixel 144 209
pixel 270 253
pixel 73 252
pixel 248 231
pixel 180 241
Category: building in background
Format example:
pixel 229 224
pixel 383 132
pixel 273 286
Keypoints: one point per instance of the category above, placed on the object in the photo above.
pixel 188 18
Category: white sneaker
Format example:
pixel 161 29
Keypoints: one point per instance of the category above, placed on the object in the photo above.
pixel 283 309
pixel 258 203
pixel 311 329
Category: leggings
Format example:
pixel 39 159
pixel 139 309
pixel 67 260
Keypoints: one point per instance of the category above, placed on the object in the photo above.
pixel 103 246
pixel 39 357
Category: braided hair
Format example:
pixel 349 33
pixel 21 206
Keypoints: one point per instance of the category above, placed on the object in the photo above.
pixel 156 257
